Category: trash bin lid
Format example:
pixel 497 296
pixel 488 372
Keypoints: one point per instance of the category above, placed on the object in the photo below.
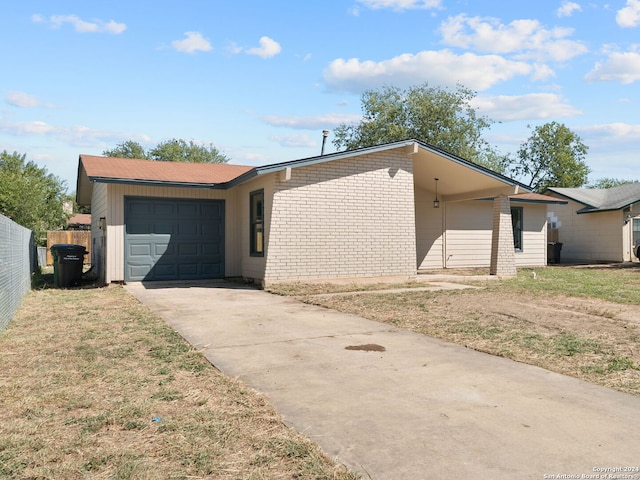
pixel 69 247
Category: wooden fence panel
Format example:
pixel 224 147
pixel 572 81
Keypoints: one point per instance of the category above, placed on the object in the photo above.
pixel 76 237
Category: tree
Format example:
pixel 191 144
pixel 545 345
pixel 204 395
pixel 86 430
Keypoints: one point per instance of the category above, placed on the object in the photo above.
pixel 432 115
pixel 30 196
pixel 127 149
pixel 177 150
pixel 609 182
pixel 174 150
pixel 553 156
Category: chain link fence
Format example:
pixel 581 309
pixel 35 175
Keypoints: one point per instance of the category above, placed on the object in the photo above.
pixel 17 262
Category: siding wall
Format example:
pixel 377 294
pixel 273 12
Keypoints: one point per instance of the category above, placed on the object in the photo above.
pixel 253 267
pixel 98 235
pixel 429 230
pixel 591 236
pixel 458 234
pixel 534 236
pixel 115 223
pixel 346 218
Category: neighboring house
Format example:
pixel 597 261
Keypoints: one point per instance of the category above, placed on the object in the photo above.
pixel 80 221
pixel 598 224
pixel 362 213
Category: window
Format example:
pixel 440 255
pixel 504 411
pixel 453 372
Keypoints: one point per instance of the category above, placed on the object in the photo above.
pixel 516 222
pixel 256 213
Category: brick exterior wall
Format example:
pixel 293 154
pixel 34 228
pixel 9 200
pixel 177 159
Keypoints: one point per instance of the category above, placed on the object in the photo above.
pixel 346 218
pixel 503 260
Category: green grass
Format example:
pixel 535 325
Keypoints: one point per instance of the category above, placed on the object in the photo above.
pixel 613 284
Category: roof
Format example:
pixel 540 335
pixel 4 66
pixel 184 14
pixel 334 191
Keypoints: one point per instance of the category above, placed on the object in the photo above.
pixel 601 199
pixel 122 169
pixel 93 169
pixel 410 143
pixel 80 219
pixel 535 198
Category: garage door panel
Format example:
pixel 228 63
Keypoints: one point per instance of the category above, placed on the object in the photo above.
pixel 139 250
pixel 165 209
pixel 139 228
pixel 211 249
pixel 189 210
pixel 188 229
pixel 189 249
pixel 160 249
pixel 173 239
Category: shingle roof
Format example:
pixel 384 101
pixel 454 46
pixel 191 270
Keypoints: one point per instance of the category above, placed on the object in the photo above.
pixel 602 199
pixel 107 168
pixel 80 219
pixel 534 198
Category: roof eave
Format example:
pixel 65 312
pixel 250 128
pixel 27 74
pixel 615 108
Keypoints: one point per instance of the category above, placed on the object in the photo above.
pixel 157 183
pixel 276 167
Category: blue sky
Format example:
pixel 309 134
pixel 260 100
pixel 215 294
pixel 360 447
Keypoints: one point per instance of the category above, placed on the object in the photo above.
pixel 261 80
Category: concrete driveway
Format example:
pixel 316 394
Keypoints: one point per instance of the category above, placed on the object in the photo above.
pixel 393 404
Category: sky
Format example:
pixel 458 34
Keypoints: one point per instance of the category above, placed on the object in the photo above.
pixel 261 80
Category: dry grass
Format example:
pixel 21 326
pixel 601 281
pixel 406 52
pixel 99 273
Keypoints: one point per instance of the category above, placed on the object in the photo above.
pixel 94 385
pixel 564 320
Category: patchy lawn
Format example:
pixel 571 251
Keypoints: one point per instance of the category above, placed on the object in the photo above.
pixel 583 322
pixel 94 385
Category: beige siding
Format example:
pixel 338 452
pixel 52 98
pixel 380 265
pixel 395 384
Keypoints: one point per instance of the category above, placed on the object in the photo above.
pixel 346 218
pixel 115 222
pixel 98 235
pixel 534 236
pixel 465 239
pixel 253 267
pixel 469 231
pixel 591 236
pixel 429 230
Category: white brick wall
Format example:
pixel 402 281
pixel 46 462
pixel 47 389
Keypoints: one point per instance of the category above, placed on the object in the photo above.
pixel 502 250
pixel 345 218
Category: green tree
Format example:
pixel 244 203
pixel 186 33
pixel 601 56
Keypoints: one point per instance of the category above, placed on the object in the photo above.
pixel 178 150
pixel 30 196
pixel 127 149
pixel 432 115
pixel 174 150
pixel 553 156
pixel 609 182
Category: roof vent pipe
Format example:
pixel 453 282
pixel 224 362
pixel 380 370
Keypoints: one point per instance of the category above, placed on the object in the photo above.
pixel 325 134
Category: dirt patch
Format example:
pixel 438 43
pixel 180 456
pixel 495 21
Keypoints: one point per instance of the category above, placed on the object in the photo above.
pixel 369 347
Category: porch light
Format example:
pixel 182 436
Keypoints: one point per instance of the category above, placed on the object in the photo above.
pixel 436 202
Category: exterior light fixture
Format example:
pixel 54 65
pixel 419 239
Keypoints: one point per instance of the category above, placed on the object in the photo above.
pixel 436 202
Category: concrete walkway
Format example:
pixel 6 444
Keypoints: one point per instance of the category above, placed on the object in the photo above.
pixel 420 409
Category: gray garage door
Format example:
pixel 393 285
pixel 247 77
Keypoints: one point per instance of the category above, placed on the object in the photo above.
pixel 173 239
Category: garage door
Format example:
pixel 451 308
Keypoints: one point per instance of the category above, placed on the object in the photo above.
pixel 173 239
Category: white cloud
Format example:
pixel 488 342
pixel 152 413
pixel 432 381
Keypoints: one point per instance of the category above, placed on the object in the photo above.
pixel 299 140
pixel 629 16
pixel 505 108
pixel 76 135
pixel 615 131
pixel 312 122
pixel 401 4
pixel 526 38
pixel 82 26
pixel 268 48
pixel 194 42
pixel 623 67
pixel 25 100
pixel 568 8
pixel 478 72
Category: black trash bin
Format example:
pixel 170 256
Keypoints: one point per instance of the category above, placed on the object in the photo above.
pixel 553 252
pixel 68 260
